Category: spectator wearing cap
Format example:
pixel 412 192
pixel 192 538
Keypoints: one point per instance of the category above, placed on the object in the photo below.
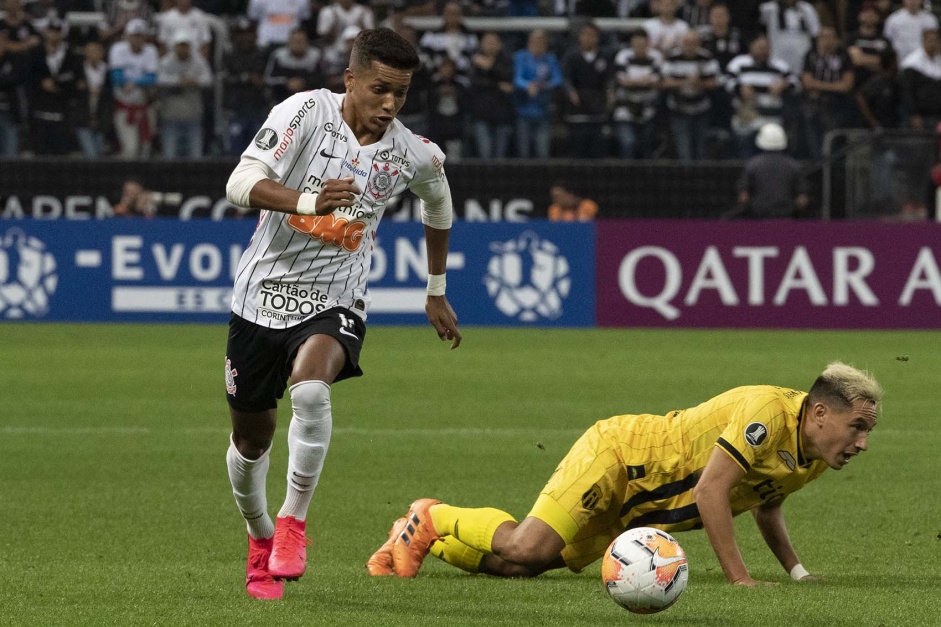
pixel 243 82
pixel 182 79
pixel 772 184
pixel 96 106
pixel 921 74
pixel 337 17
pixel 18 39
pixel 56 81
pixel 587 73
pixel 184 17
pixel 905 26
pixel 828 82
pixel 336 58
pixel 277 19
pixel 293 68
pixel 792 27
pixel 118 13
pixel 536 74
pixel 133 65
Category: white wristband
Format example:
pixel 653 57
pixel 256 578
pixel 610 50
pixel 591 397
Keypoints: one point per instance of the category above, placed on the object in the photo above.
pixel 436 284
pixel 798 572
pixel 307 204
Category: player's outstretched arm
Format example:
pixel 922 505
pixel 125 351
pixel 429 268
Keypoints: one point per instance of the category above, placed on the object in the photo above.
pixel 439 311
pixel 252 184
pixel 770 521
pixel 720 475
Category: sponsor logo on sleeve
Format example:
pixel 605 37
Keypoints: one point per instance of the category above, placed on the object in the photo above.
pixel 266 139
pixel 755 433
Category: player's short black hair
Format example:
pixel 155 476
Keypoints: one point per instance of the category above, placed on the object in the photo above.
pixel 385 46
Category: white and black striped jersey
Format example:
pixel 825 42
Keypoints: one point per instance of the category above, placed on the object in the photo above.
pixel 297 266
pixel 690 100
pixel 760 75
pixel 636 103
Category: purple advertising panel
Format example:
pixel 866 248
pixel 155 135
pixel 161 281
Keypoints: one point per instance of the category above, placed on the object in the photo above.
pixel 863 275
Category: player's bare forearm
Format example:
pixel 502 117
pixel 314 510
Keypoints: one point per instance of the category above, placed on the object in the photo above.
pixel 719 476
pixel 270 195
pixel 770 521
pixel 440 313
pixel 436 242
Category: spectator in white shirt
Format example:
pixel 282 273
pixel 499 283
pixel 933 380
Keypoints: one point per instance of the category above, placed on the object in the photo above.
pixel 921 71
pixel 184 17
pixel 905 27
pixel 792 27
pixel 277 19
pixel 666 30
pixel 181 79
pixel 336 17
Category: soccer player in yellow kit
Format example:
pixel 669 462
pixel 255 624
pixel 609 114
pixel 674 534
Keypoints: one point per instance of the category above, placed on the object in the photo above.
pixel 744 450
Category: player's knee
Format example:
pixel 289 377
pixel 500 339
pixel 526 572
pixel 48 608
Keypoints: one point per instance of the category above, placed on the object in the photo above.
pixel 310 401
pixel 528 554
pixel 251 445
pixel 502 568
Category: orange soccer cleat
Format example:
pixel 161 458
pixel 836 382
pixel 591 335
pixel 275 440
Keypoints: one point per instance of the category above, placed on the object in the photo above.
pixel 380 564
pixel 258 581
pixel 412 544
pixel 289 555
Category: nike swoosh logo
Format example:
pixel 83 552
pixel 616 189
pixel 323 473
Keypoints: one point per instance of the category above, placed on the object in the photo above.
pixel 659 562
pixel 345 332
pixel 324 153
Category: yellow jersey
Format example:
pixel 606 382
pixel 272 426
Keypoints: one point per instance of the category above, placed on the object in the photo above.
pixel 640 470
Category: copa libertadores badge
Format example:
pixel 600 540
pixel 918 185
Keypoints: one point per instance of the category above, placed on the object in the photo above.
pixel 528 278
pixel 266 139
pixel 27 276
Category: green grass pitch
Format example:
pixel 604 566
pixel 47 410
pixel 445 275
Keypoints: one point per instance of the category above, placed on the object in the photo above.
pixel 117 510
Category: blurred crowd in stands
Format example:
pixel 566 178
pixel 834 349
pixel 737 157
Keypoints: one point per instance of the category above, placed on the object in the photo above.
pixel 693 79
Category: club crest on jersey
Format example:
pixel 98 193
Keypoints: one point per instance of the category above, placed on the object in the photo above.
pixel 381 180
pixel 230 374
pixel 266 139
pixel 755 433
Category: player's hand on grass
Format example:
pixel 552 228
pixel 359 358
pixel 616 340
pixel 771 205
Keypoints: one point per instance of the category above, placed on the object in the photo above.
pixel 336 193
pixel 443 319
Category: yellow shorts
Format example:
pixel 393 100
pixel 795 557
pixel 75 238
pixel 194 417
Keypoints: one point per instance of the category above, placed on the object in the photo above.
pixel 583 497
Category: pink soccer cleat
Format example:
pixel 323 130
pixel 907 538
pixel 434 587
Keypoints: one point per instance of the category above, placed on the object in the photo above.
pixel 258 581
pixel 289 555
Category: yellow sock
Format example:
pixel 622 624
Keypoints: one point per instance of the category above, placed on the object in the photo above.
pixel 456 553
pixel 472 526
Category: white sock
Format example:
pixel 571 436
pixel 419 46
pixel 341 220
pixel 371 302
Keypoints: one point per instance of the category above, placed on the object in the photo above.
pixel 308 439
pixel 248 485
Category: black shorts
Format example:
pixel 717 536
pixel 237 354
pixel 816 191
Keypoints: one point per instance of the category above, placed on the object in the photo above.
pixel 259 360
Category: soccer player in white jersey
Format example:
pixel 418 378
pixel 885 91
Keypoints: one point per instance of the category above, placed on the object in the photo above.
pixel 321 169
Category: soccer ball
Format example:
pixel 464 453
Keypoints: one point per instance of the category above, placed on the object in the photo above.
pixel 645 570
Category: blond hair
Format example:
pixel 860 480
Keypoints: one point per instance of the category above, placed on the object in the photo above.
pixel 846 384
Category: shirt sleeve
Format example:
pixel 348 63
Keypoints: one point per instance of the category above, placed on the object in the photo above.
pixel 285 133
pixel 754 429
pixel 431 186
